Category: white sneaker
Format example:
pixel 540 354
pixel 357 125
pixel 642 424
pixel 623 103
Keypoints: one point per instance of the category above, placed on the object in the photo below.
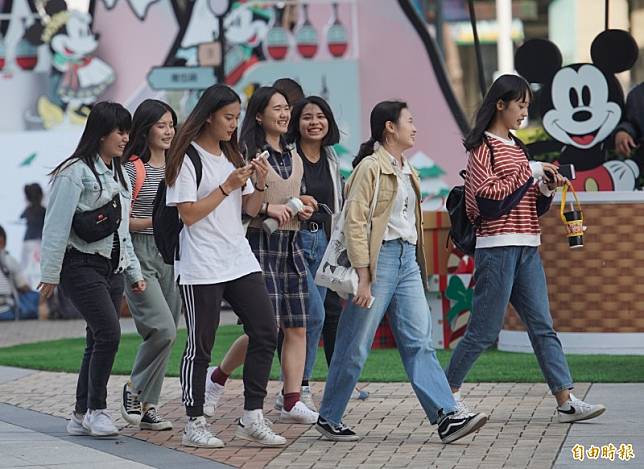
pixel 213 395
pixel 75 425
pixel 99 423
pixel 279 401
pixel 196 435
pixel 259 432
pixel 461 407
pixel 360 394
pixel 306 396
pixel 298 414
pixel 574 410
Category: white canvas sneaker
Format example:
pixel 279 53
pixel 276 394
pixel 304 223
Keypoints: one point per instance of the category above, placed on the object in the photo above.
pixel 574 410
pixel 259 432
pixel 75 425
pixel 306 396
pixel 196 435
pixel 99 423
pixel 298 414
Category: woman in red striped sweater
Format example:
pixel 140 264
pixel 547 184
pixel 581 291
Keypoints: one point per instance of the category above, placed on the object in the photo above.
pixel 505 195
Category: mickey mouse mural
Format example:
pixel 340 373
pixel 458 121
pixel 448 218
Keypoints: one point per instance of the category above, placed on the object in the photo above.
pixel 77 76
pixel 581 105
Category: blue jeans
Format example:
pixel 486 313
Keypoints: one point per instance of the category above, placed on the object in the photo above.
pixel 398 279
pixel 510 274
pixel 313 244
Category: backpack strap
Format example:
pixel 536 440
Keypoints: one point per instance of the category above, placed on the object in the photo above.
pixel 193 154
pixel 139 171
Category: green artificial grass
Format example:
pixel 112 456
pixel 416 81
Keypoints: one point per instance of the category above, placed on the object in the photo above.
pixel 383 365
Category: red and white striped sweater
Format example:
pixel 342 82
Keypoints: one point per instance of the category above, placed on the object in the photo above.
pixel 490 191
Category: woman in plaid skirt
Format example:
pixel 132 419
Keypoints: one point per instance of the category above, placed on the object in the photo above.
pixel 281 258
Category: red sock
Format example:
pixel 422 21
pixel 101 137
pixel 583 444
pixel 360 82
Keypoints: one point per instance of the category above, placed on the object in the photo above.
pixel 218 376
pixel 290 399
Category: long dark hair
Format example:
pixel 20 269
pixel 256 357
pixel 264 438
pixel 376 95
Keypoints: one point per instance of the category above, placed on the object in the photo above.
pixel 213 99
pixel 145 117
pixel 383 112
pixel 33 194
pixel 506 88
pixel 104 118
pixel 290 88
pixel 333 134
pixel 253 137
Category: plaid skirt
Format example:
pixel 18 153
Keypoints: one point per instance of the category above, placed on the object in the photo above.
pixel 284 268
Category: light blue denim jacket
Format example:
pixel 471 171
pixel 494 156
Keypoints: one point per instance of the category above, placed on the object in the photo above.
pixel 75 189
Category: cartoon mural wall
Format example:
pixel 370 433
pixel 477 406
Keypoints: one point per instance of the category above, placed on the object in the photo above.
pixel 57 62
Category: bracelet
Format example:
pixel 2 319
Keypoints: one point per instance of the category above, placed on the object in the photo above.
pixel 223 191
pixel 261 190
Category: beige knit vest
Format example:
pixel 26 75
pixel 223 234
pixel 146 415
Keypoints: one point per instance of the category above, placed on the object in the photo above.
pixel 280 190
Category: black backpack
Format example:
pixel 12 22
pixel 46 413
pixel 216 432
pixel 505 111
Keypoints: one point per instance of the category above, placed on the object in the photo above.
pixel 462 231
pixel 165 220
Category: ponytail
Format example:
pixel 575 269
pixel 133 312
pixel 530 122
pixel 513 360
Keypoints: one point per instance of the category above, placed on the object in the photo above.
pixel 366 149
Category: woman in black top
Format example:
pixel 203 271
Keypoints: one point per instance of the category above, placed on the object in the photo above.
pixel 34 215
pixel 314 131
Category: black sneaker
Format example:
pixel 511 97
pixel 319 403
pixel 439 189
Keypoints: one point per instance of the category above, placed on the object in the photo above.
pixel 335 432
pixel 455 426
pixel 152 421
pixel 131 409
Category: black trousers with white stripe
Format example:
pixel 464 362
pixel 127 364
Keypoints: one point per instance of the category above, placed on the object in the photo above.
pixel 249 299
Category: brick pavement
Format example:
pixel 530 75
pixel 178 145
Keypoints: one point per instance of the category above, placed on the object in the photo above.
pixel 521 432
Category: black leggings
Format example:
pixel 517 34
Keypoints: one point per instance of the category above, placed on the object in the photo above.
pixel 248 297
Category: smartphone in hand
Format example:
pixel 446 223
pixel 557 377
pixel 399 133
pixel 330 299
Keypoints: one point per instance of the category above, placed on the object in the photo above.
pixel 567 171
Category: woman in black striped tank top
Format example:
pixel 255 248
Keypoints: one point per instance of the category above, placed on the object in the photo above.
pixel 157 311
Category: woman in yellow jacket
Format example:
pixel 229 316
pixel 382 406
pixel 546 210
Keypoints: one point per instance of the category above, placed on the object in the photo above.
pixel 387 252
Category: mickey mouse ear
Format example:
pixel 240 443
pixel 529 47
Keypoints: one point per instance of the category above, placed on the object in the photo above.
pixel 614 50
pixel 537 60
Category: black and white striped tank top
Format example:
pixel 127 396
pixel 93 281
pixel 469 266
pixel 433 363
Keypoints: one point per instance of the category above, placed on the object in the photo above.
pixel 142 207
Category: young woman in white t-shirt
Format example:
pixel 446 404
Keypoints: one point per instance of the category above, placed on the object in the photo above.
pixel 216 261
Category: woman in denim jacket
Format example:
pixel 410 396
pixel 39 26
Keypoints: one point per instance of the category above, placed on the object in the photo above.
pixel 91 273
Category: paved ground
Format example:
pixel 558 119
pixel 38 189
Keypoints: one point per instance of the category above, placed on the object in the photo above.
pixel 521 433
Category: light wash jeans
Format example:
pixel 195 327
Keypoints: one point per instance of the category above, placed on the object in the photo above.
pixel 510 274
pixel 313 244
pixel 398 279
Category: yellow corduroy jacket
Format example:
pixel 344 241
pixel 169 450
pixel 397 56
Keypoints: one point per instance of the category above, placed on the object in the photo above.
pixel 363 249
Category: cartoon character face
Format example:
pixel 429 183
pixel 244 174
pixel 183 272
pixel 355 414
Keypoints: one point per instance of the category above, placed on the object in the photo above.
pixel 244 27
pixel 582 113
pixel 76 40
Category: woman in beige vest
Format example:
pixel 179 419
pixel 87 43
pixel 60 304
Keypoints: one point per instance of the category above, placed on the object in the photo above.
pixel 281 258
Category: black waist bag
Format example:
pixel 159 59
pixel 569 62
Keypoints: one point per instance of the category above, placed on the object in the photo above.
pixel 99 223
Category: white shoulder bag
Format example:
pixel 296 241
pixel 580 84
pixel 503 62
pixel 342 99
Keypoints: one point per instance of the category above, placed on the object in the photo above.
pixel 335 271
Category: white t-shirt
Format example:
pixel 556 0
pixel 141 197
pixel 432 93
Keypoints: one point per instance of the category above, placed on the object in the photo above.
pixel 214 249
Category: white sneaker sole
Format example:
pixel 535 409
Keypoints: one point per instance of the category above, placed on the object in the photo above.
pixel 158 427
pixel 565 418
pixel 132 419
pixel 194 444
pixel 76 431
pixel 209 411
pixel 241 434
pixel 471 427
pixel 289 419
pixel 102 434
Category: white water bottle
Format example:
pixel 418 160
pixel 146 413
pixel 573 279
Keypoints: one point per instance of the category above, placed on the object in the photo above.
pixel 294 206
